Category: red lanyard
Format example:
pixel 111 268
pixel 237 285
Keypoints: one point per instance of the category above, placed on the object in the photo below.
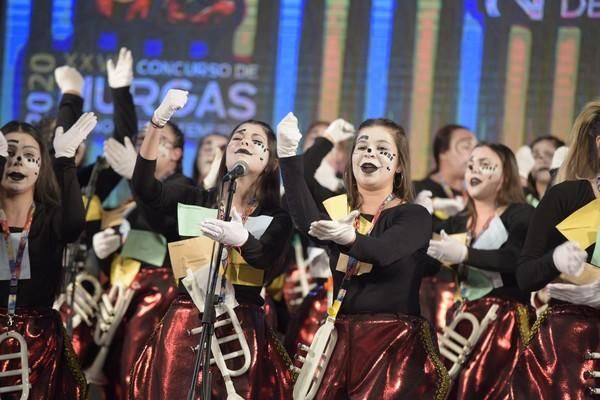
pixel 14 262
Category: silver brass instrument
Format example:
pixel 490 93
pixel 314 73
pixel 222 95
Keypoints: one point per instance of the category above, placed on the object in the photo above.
pixel 593 374
pixel 86 303
pixel 112 310
pixel 238 335
pixel 316 361
pixel 457 348
pixel 23 371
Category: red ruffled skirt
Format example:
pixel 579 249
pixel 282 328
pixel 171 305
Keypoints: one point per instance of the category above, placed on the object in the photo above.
pixel 165 368
pixel 384 356
pixel 436 298
pixel 154 291
pixel 553 364
pixel 494 357
pixel 55 372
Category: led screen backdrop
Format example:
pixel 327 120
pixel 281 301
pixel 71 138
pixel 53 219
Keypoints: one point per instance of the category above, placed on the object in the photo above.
pixel 508 69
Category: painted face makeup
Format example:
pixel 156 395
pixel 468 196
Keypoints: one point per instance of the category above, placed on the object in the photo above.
pixel 375 158
pixel 23 164
pixel 250 144
pixel 484 174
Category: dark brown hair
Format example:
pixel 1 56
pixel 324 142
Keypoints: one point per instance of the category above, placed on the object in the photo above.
pixel 196 171
pixel 402 188
pixel 511 191
pixel 46 190
pixel 266 187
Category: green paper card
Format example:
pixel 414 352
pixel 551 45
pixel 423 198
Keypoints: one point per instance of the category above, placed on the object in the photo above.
pixel 190 217
pixel 596 255
pixel 145 246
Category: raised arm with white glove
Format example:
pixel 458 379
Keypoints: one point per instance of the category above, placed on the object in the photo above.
pixel 210 180
pixel 569 258
pixel 525 161
pixel 288 136
pixel 121 158
pixel 341 231
pixel 588 295
pixel 230 233
pixel 173 101
pixel 66 143
pixel 121 74
pixel 69 80
pixel 106 242
pixel 449 206
pixel 339 130
pixel 447 250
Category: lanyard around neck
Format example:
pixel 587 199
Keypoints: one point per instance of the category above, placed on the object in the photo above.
pixel 15 261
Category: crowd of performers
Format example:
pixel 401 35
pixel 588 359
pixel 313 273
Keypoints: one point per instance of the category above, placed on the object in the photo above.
pixel 341 278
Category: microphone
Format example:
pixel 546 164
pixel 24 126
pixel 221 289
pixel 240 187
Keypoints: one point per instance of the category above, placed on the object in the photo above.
pixel 240 168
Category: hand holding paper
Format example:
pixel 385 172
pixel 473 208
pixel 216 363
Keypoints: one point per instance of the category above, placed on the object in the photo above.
pixel 569 259
pixel 341 231
pixel 230 233
pixel 576 294
pixel 447 250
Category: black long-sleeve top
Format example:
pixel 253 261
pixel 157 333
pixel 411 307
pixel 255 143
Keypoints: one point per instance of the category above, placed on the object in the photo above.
pixel 264 253
pixel 504 260
pixel 313 157
pixel 536 268
pixel 51 228
pixel 392 247
pixel 125 120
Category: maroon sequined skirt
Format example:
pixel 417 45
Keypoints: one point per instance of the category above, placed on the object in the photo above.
pixel 553 364
pixel 154 291
pixel 165 368
pixel 384 356
pixel 55 372
pixel 306 320
pixel 82 338
pixel 436 298
pixel 495 354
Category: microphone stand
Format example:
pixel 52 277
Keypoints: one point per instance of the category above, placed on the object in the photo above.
pixel 71 259
pixel 208 315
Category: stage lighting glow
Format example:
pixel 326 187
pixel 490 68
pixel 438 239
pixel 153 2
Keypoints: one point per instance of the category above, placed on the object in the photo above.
pixel 62 24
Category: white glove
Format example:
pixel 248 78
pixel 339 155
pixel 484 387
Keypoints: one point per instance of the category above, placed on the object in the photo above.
pixel 121 158
pixel 120 75
pixel 173 101
pixel 525 161
pixel 449 206
pixel 559 157
pixel 84 305
pixel 68 79
pixel 588 295
pixel 230 233
pixel 569 259
pixel 448 250
pixel 341 231
pixel 106 242
pixel 288 136
pixel 424 199
pixel 340 130
pixel 210 180
pixel 66 143
pixel 3 146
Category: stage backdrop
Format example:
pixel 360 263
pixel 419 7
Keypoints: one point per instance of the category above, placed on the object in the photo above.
pixel 508 69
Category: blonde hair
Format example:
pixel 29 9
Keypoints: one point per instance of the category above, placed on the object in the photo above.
pixel 583 160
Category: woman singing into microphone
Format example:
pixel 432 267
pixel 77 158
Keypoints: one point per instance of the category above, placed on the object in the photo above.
pixel 41 210
pixel 384 349
pixel 165 368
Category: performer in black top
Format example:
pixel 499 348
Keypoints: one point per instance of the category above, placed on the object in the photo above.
pixel 538 180
pixel 491 232
pixel 384 348
pixel 41 211
pixel 442 192
pixel 554 360
pixel 164 370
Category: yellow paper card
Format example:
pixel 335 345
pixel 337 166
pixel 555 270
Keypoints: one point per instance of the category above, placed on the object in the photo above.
pixel 337 206
pixel 123 270
pixel 115 217
pixel 582 225
pixel 94 213
pixel 240 273
pixel 190 253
